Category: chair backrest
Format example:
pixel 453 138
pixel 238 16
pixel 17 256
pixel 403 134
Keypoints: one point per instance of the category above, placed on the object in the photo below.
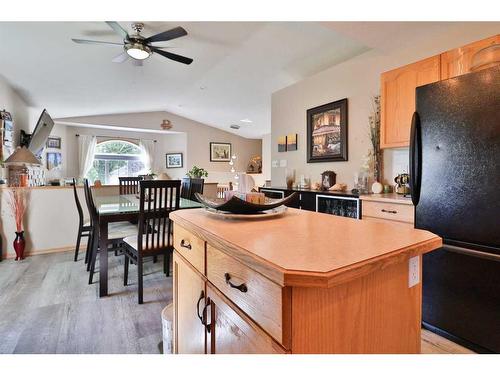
pixel 129 185
pixel 189 186
pixel 90 202
pixel 157 200
pixel 78 205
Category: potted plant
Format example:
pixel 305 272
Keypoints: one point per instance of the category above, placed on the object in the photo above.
pixel 197 172
pixel 18 202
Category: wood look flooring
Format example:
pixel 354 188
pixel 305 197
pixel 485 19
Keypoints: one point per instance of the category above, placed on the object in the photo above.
pixel 47 306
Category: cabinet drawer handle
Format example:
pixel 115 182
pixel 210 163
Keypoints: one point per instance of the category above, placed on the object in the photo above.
pixel 204 314
pixel 389 211
pixel 242 287
pixel 185 244
pixel 200 316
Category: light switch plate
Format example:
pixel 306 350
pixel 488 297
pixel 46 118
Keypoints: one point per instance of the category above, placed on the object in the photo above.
pixel 283 163
pixel 413 271
pixel 275 163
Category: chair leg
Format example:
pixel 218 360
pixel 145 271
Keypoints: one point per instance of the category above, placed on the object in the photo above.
pixel 125 270
pixel 89 245
pixel 166 264
pixel 92 260
pixel 78 239
pixel 155 259
pixel 139 281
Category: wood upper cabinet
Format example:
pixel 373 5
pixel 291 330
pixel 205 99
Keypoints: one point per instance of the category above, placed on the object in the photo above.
pixel 397 100
pixel 458 61
pixel 189 300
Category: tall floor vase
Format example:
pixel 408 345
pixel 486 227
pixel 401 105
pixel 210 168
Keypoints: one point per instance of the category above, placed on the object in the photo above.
pixel 19 245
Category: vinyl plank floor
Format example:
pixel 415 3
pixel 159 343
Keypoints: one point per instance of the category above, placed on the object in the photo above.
pixel 48 307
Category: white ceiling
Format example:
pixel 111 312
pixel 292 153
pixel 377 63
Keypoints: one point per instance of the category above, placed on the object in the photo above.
pixel 236 66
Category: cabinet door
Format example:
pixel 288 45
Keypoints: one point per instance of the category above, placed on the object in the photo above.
pixel 189 300
pixel 232 332
pixel 397 100
pixel 308 201
pixel 458 61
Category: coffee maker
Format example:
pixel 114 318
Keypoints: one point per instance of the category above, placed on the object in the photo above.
pixel 402 184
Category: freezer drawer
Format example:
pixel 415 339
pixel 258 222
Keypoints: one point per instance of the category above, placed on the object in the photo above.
pixel 461 296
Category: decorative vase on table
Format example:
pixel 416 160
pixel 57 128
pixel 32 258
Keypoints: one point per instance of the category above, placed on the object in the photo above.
pixel 19 245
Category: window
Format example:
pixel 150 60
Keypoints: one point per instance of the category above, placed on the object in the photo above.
pixel 115 158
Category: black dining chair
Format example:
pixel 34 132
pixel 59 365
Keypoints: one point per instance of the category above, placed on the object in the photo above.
pixel 189 186
pixel 116 232
pixel 129 185
pixel 84 227
pixel 157 200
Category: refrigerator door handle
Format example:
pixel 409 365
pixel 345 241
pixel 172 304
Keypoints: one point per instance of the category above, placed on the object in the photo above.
pixel 415 158
pixel 474 253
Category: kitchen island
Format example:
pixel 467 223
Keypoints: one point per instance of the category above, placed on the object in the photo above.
pixel 302 283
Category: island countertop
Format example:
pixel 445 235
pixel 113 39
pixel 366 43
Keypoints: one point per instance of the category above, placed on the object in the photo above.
pixel 304 248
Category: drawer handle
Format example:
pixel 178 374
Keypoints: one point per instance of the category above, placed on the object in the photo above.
pixel 242 287
pixel 200 316
pixel 389 211
pixel 204 313
pixel 185 244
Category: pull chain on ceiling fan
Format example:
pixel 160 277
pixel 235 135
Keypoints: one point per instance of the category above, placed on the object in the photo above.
pixel 140 48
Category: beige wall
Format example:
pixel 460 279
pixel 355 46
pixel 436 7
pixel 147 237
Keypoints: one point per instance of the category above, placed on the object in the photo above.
pixel 266 156
pixel 194 142
pixel 357 80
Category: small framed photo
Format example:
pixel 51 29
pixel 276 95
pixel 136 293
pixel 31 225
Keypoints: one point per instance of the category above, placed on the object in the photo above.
pixel 291 142
pixel 220 151
pixel 174 160
pixel 282 143
pixel 54 160
pixel 53 142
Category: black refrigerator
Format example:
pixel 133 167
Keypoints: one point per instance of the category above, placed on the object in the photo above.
pixel 455 169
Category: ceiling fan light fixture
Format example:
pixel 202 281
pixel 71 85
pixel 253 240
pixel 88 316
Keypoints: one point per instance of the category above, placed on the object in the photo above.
pixel 138 51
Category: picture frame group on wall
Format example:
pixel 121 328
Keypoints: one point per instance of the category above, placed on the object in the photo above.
pixel 220 152
pixel 54 160
pixel 287 142
pixel 327 132
pixel 174 160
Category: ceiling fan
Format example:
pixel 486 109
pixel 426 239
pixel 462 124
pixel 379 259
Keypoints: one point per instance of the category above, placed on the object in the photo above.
pixel 140 48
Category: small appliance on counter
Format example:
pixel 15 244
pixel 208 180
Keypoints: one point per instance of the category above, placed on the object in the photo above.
pixel 402 184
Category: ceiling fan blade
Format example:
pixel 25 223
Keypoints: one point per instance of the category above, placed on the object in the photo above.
pixel 85 41
pixel 137 62
pixel 173 56
pixel 122 57
pixel 118 29
pixel 176 32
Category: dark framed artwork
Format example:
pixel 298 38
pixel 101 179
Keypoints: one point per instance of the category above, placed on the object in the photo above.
pixel 220 151
pixel 327 132
pixel 53 142
pixel 174 160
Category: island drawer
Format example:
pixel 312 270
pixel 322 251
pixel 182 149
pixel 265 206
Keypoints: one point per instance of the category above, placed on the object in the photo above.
pixel 388 211
pixel 190 246
pixel 254 294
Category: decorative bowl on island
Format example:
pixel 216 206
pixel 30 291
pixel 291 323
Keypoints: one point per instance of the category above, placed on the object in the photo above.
pixel 239 206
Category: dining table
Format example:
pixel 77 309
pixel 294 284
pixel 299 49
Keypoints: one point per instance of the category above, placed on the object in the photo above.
pixel 116 208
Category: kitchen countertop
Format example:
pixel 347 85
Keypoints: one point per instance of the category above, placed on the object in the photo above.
pixel 304 248
pixel 387 198
pixel 300 190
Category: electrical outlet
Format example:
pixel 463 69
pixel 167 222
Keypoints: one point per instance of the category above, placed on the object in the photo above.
pixel 275 163
pixel 413 271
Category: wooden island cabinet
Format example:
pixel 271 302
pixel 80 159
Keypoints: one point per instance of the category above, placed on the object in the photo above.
pixel 305 282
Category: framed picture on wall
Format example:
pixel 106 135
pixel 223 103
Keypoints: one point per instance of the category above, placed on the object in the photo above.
pixel 327 132
pixel 54 160
pixel 53 142
pixel 220 151
pixel 174 160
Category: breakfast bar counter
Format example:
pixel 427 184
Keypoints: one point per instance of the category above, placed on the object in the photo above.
pixel 302 283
